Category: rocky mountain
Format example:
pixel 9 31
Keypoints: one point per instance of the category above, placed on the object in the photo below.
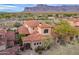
pixel 46 8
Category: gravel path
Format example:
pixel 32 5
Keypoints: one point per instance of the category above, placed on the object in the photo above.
pixel 63 50
pixel 28 52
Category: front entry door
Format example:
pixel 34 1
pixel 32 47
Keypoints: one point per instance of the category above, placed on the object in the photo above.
pixel 27 45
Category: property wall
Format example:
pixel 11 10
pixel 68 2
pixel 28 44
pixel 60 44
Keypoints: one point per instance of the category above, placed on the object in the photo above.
pixel 10 43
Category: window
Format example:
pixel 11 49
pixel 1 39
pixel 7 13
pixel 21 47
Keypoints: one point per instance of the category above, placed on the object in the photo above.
pixel 76 36
pixel 71 38
pixel 34 43
pixel 33 28
pixel 46 31
pixel 39 42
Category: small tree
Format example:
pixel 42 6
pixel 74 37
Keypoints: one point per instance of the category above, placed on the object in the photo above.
pixel 39 49
pixel 47 42
pixel 19 37
pixel 17 24
pixel 65 30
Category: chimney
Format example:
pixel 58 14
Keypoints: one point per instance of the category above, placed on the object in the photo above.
pixel 40 24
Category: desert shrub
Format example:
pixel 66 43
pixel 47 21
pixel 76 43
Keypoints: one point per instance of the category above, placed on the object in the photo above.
pixel 39 49
pixel 17 24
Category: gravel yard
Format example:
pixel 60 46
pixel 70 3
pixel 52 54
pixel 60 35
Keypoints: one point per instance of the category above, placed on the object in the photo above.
pixel 63 50
pixel 57 50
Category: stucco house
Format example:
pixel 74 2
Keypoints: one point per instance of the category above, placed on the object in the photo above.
pixel 36 31
pixel 2 39
pixel 33 41
pixel 7 39
pixel 11 38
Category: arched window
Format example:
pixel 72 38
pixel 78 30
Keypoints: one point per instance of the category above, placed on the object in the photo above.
pixel 46 31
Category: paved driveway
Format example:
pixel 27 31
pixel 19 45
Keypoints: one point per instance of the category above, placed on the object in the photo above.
pixel 28 52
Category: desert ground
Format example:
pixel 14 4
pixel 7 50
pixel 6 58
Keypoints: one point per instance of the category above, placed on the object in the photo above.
pixel 57 50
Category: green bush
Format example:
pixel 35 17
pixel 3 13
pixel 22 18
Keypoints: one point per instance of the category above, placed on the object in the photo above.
pixel 39 49
pixel 19 37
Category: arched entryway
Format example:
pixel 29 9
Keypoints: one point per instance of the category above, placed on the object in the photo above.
pixel 27 45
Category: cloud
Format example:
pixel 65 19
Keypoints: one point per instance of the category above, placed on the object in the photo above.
pixel 7 7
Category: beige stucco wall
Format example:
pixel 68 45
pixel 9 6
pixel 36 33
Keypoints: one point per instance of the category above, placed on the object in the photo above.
pixel 29 28
pixel 41 31
pixel 71 23
pixel 35 46
pixel 32 44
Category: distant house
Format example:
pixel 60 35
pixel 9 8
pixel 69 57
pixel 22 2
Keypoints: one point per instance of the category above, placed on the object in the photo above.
pixel 37 32
pixel 74 22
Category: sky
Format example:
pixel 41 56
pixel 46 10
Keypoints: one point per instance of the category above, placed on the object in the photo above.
pixel 14 7
pixel 17 7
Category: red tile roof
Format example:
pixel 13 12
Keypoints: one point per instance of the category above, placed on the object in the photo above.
pixel 32 23
pixel 76 24
pixel 23 30
pixel 33 37
pixel 44 25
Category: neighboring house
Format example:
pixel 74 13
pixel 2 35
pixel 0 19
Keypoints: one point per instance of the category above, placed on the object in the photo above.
pixel 2 33
pixel 10 38
pixel 74 22
pixel 2 39
pixel 36 30
pixel 7 38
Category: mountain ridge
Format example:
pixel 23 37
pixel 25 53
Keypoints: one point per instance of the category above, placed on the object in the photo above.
pixel 46 8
